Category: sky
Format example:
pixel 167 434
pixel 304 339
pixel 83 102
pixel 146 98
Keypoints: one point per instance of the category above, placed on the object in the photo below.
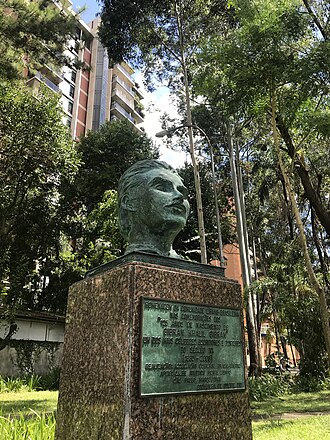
pixel 92 8
pixel 154 103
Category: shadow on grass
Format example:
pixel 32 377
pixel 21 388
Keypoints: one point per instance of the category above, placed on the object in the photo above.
pixel 300 403
pixel 307 428
pixel 25 407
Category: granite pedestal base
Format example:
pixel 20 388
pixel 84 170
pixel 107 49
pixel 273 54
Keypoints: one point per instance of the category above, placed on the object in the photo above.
pixel 99 389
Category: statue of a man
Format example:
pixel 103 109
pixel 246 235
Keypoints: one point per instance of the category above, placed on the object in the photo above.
pixel 153 207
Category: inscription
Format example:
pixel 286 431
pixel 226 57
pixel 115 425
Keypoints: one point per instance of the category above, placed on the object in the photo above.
pixel 189 348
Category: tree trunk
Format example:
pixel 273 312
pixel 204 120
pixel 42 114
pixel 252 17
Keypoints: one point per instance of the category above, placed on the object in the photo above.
pixel 199 203
pixel 324 267
pixel 310 192
pixel 303 242
pixel 293 356
pixel 244 257
pixel 316 20
pixel 5 341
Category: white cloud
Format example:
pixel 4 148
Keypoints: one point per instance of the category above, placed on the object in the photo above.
pixel 156 104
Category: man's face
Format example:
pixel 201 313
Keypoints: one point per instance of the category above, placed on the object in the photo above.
pixel 161 201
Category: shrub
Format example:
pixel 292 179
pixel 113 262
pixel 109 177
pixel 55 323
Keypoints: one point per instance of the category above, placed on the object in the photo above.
pixel 311 384
pixel 16 384
pixel 269 385
pixel 51 381
pixel 31 383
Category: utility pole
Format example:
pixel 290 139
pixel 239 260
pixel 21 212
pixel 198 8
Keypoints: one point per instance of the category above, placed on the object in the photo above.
pixel 199 203
pixel 244 257
pixel 169 132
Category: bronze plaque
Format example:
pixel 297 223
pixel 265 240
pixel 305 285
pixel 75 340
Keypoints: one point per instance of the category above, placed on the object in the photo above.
pixel 190 348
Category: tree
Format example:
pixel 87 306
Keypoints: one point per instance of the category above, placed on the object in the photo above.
pixel 186 242
pixel 283 85
pixel 277 51
pixel 33 34
pixel 89 202
pixel 37 155
pixel 164 36
pixel 55 210
pixel 106 154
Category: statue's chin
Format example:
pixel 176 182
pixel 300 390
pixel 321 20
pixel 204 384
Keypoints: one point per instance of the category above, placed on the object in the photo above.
pixel 174 223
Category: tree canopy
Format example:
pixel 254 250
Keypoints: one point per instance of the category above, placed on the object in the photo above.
pixel 106 153
pixel 33 34
pixel 37 155
pixel 58 204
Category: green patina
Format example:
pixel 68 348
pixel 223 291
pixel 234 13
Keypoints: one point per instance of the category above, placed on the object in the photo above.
pixel 153 207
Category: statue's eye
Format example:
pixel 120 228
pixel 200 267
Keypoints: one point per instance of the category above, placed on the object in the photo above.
pixel 162 185
pixel 183 190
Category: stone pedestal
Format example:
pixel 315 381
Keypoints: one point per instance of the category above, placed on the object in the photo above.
pixel 99 389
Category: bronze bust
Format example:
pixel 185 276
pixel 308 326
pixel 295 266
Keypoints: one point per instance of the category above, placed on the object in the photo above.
pixel 153 207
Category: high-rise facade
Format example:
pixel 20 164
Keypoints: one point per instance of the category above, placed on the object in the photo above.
pixel 97 93
pixel 114 94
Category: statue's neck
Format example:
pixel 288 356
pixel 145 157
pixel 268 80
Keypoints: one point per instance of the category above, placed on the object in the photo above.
pixel 146 241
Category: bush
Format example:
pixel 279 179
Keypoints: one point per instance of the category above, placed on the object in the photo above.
pixel 31 383
pixel 51 381
pixel 269 385
pixel 309 384
pixel 273 385
pixel 17 384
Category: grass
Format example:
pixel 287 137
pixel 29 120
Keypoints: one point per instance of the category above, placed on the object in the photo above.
pixel 27 402
pixel 303 428
pixel 28 415
pixel 40 427
pixel 14 425
pixel 300 402
pixel 309 428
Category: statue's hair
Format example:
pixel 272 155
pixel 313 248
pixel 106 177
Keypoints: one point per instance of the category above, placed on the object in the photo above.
pixel 128 184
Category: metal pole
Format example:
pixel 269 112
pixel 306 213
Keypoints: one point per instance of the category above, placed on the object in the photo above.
pixel 214 184
pixel 253 344
pixel 171 131
pixel 199 203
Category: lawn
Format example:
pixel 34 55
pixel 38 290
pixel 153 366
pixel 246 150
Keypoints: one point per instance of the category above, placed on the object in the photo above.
pixel 24 402
pixel 293 403
pixel 306 428
pixel 273 424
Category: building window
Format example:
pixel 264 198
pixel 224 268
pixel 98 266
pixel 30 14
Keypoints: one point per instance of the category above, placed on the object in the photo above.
pixel 71 93
pixel 87 42
pixel 73 76
pixel 77 33
pixel 75 48
pixel 68 122
pixel 70 107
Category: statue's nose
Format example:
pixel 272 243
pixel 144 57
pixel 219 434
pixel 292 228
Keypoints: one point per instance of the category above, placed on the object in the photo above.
pixel 178 195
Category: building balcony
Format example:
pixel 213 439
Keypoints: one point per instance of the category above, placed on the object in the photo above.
pixel 138 92
pixel 55 75
pixel 117 80
pixel 124 72
pixel 120 112
pixel 138 116
pixel 118 95
pixel 139 109
pixel 129 105
pixel 37 79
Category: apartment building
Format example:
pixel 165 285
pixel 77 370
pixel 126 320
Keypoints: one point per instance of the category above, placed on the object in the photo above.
pixel 114 94
pixel 97 93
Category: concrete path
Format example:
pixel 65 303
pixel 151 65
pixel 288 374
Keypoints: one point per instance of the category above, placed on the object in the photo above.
pixel 291 415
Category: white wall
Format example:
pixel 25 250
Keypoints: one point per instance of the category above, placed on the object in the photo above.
pixel 45 337
pixel 35 331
